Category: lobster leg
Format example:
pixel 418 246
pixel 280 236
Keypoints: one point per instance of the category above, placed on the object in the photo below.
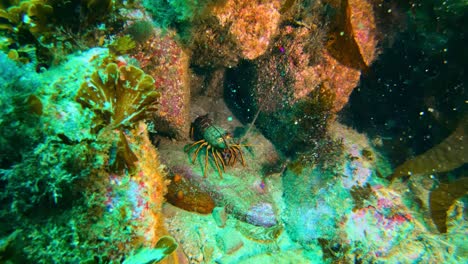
pixel 216 162
pixel 198 150
pixel 236 147
pixel 206 159
pixel 193 145
pixel 232 157
pixel 221 159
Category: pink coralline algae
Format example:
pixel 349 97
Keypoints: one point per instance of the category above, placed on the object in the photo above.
pixel 382 224
pixel 253 24
pixel 334 68
pixel 339 78
pixel 364 29
pixel 128 194
pixel 163 59
pixel 356 172
pixel 326 71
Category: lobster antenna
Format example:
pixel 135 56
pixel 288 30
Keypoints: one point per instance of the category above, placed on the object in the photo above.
pixel 250 126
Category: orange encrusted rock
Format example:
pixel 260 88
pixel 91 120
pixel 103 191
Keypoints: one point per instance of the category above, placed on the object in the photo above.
pixel 183 194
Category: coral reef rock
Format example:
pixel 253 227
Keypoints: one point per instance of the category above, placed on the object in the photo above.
pixel 253 24
pixel 161 57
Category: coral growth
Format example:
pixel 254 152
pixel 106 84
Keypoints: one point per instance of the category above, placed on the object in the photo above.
pixel 125 209
pixel 305 78
pixel 83 183
pixel 353 41
pixel 304 65
pixel 38 165
pixel 364 29
pixel 229 29
pixel 312 59
pixel 151 177
pixel 63 171
pixel 381 224
pixel 339 78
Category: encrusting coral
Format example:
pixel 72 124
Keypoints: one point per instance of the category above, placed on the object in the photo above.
pixel 151 177
pixel 329 49
pixel 212 45
pixel 353 35
pixel 122 97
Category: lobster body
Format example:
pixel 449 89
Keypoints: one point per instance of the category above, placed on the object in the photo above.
pixel 217 142
pixel 202 128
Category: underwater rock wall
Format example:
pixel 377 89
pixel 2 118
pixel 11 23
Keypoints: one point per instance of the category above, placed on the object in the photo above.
pixel 307 74
pixel 165 60
pixel 207 132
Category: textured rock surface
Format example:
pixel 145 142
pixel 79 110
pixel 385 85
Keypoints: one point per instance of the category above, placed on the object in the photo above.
pixel 229 240
pixel 364 28
pixel 183 194
pixel 238 191
pixel 162 57
pixel 262 214
pixel 220 216
pixel 252 23
pixel 322 215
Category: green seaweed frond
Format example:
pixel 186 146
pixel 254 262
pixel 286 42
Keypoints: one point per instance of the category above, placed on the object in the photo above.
pixel 119 96
pixel 122 45
pixel 443 197
pixel 449 154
